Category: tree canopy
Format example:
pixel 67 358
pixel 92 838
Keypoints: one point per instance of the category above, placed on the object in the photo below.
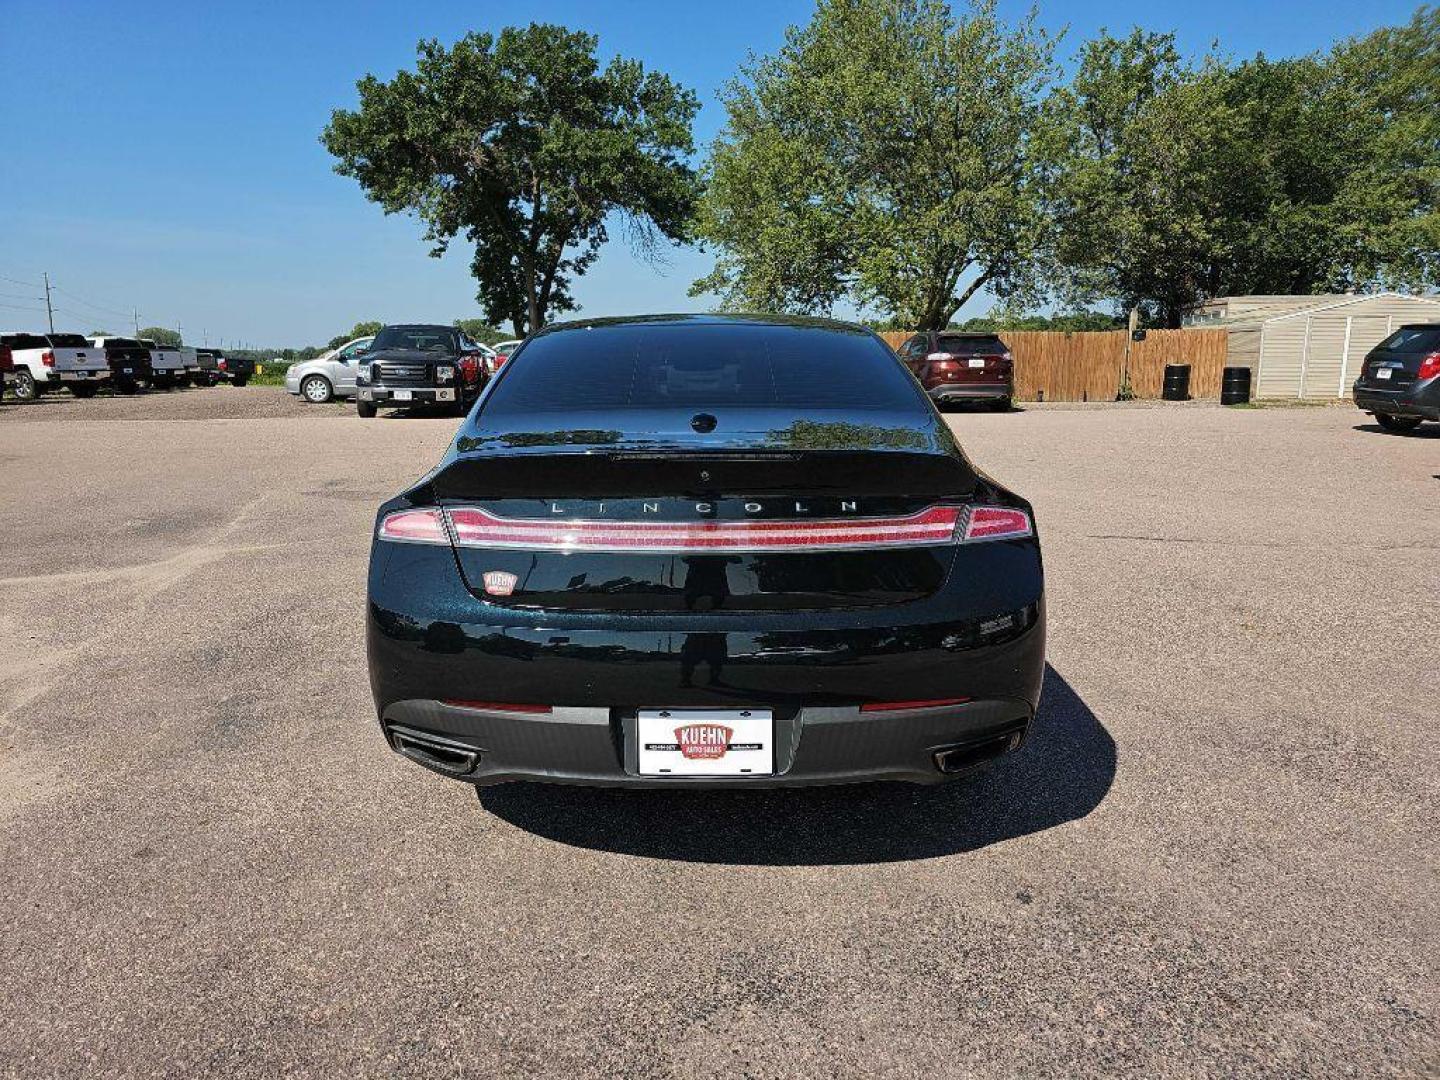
pixel 882 156
pixel 161 336
pixel 365 328
pixel 1170 183
pixel 522 144
pixel 481 331
pixel 898 157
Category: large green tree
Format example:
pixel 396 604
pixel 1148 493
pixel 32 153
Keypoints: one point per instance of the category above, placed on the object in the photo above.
pixel 523 144
pixel 881 156
pixel 1171 183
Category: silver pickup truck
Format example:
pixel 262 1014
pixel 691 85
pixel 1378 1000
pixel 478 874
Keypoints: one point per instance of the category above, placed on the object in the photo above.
pixel 49 361
pixel 169 364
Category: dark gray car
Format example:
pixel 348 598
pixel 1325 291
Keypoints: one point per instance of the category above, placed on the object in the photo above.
pixel 1400 380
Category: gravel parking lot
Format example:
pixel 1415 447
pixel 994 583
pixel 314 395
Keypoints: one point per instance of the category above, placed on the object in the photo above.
pixel 1217 856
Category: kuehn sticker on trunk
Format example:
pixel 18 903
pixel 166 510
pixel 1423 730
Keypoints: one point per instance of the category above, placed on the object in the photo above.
pixel 811 586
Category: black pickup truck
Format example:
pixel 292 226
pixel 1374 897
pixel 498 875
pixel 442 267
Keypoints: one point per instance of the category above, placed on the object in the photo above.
pixel 129 362
pixel 236 370
pixel 419 365
pixel 209 363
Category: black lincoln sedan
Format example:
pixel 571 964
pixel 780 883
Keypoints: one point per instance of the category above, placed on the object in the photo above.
pixel 702 550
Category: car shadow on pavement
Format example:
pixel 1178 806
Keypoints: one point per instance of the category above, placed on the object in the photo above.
pixel 1424 431
pixel 1061 774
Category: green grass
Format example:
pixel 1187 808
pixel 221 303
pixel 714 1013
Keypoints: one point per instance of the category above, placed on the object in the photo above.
pixel 274 375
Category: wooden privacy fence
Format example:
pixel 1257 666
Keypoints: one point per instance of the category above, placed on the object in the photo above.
pixel 1089 365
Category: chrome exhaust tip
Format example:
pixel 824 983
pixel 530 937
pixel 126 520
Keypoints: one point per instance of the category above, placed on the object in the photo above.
pixel 434 751
pixel 957 759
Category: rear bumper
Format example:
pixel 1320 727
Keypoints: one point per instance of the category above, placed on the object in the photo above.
pixel 1419 399
pixel 386 395
pixel 980 638
pixel 969 391
pixel 598 746
pixel 83 376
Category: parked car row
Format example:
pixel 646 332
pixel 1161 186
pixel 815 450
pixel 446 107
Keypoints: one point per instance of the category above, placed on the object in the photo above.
pixel 34 364
pixel 405 364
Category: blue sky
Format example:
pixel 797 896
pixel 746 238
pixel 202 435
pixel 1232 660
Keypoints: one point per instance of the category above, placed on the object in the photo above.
pixel 165 157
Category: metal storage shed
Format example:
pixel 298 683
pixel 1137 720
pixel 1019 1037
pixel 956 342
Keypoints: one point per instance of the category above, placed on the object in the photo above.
pixel 1311 347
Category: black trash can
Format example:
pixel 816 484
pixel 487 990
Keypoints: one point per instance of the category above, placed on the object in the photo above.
pixel 1235 386
pixel 1177 382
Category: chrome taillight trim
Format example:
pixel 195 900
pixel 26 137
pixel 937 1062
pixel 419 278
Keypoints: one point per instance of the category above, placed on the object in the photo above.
pixel 476 527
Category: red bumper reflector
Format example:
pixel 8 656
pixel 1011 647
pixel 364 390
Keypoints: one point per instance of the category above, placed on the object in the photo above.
pixel 498 706
pixel 899 706
pixel 474 527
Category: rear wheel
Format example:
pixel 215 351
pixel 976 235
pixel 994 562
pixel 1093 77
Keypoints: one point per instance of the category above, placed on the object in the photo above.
pixel 316 389
pixel 128 386
pixel 84 391
pixel 365 409
pixel 1001 404
pixel 241 382
pixel 25 386
pixel 1397 423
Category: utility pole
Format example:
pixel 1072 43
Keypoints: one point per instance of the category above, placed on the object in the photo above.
pixel 49 311
pixel 178 333
pixel 136 316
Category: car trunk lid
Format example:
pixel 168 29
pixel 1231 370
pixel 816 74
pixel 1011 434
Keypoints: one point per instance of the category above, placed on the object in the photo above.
pixel 680 528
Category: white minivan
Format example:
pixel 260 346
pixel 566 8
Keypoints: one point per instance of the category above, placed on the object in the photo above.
pixel 329 375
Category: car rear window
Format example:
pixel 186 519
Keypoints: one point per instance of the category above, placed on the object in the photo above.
pixel 971 345
pixel 703 366
pixel 68 341
pixel 422 338
pixel 1413 339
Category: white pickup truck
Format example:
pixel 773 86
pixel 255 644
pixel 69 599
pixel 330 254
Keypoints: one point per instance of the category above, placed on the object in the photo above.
pixel 168 364
pixel 46 361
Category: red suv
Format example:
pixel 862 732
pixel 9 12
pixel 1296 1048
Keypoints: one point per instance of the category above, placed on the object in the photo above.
pixel 954 367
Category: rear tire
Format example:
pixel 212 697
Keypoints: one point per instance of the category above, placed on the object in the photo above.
pixel 316 389
pixel 1001 404
pixel 83 391
pixel 241 382
pixel 26 389
pixel 1397 424
pixel 128 386
pixel 365 409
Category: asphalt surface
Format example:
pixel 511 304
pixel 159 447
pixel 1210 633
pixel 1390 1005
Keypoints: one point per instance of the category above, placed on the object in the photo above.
pixel 1217 856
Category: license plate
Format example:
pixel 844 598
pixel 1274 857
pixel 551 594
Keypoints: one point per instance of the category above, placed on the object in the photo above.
pixel 706 742
pixel 1384 372
pixel 976 361
pixel 128 371
pixel 402 395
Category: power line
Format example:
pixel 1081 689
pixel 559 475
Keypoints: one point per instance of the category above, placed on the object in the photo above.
pixel 17 307
pixel 90 303
pixel 17 281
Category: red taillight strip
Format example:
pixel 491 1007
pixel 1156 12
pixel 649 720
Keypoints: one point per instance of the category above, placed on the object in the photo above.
pixel 475 527
pixel 995 523
pixel 425 526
